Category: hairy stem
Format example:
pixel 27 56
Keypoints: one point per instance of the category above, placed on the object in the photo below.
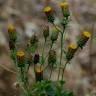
pixel 42 57
pixel 23 80
pixel 51 72
pixel 61 53
pixel 49 50
pixel 64 69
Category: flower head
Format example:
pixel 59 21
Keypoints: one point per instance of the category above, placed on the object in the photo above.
pixel 12 33
pixel 83 39
pixel 72 48
pixel 11 29
pixel 20 58
pixel 52 57
pixel 47 10
pixel 38 72
pixel 86 35
pixel 20 54
pixel 64 5
pixel 65 10
pixel 54 34
pixel 46 31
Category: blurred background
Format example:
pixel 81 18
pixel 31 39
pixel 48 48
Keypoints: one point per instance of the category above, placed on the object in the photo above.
pixel 28 17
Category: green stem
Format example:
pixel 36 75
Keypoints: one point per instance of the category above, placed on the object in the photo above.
pixel 23 78
pixel 43 52
pixel 51 72
pixel 28 68
pixel 46 67
pixel 64 69
pixel 61 53
pixel 25 84
pixel 49 50
pixel 63 12
pixel 47 55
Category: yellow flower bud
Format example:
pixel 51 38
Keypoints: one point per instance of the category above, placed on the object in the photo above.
pixel 72 48
pixel 11 29
pixel 86 35
pixel 20 56
pixel 47 10
pixel 64 5
pixel 38 72
pixel 83 39
pixel 12 33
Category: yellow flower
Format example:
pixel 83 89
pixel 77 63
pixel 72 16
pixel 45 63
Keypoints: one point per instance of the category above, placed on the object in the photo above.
pixel 86 35
pixel 20 55
pixel 39 70
pixel 11 28
pixel 64 5
pixel 72 48
pixel 47 10
pixel 83 39
pixel 38 73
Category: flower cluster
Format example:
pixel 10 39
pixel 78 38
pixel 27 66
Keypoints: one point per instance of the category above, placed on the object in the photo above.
pixel 37 57
pixel 80 44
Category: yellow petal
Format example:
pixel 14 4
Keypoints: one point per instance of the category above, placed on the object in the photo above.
pixel 86 34
pixel 20 54
pixel 72 46
pixel 11 28
pixel 47 9
pixel 64 5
